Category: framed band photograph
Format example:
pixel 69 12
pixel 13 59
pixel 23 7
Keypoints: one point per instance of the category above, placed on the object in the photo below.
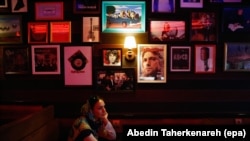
pixel 49 10
pixel 191 3
pixel 152 63
pixel 237 57
pixel 60 32
pixel 45 59
pixel 123 16
pixel 112 57
pixel 163 6
pixel 87 6
pixel 38 32
pixel 180 59
pixel 91 29
pixel 18 6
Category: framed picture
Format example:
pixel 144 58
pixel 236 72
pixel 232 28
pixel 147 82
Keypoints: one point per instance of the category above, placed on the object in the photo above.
pixel 19 6
pixel 205 58
pixel 152 63
pixel 91 29
pixel 16 60
pixel 49 10
pixel 77 65
pixel 123 16
pixel 38 32
pixel 4 4
pixel 11 32
pixel 87 6
pixel 225 1
pixel 191 3
pixel 60 32
pixel 180 59
pixel 45 59
pixel 163 6
pixel 115 80
pixel 166 30
pixel 112 57
pixel 203 26
pixel 237 57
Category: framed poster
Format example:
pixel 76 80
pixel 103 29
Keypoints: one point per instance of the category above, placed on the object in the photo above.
pixel 38 32
pixel 77 65
pixel 152 63
pixel 91 29
pixel 112 57
pixel 19 6
pixel 49 10
pixel 11 29
pixel 205 58
pixel 191 3
pixel 87 6
pixel 45 59
pixel 180 59
pixel 163 6
pixel 60 32
pixel 123 16
pixel 237 57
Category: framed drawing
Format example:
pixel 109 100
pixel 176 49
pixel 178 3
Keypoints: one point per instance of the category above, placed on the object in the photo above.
pixel 203 26
pixel 91 29
pixel 77 65
pixel 152 63
pixel 38 32
pixel 166 30
pixel 237 57
pixel 49 10
pixel 11 32
pixel 60 32
pixel 123 16
pixel 87 6
pixel 115 80
pixel 191 3
pixel 45 59
pixel 163 6
pixel 19 6
pixel 112 57
pixel 16 60
pixel 205 58
pixel 180 59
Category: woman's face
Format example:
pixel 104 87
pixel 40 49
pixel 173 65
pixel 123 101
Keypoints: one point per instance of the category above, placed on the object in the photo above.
pixel 99 110
pixel 112 58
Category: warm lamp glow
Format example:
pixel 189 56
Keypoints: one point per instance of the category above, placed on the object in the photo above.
pixel 130 43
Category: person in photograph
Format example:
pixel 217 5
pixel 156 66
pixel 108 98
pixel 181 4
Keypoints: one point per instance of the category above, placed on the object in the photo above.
pixel 205 62
pixel 238 22
pixel 207 23
pixel 168 33
pixel 112 58
pixel 163 6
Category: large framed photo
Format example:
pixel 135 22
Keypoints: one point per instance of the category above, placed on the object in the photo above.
pixel 237 57
pixel 60 32
pixel 19 6
pixel 152 63
pixel 38 32
pixel 112 57
pixel 205 56
pixel 91 29
pixel 11 29
pixel 78 65
pixel 87 6
pixel 191 3
pixel 45 59
pixel 167 30
pixel 123 16
pixel 180 59
pixel 117 80
pixel 163 6
pixel 49 10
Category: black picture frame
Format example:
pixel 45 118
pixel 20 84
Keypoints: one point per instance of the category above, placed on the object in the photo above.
pixel 87 6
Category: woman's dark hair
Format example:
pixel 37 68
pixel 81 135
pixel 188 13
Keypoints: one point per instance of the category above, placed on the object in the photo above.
pixel 115 52
pixel 92 100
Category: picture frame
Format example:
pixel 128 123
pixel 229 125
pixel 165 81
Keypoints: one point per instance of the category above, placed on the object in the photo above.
pixel 112 57
pixel 225 1
pixel 60 32
pixel 123 80
pixel 4 4
pixel 87 6
pixel 18 6
pixel 162 6
pixel 78 66
pixel 148 54
pixel 13 33
pixel 203 26
pixel 16 60
pixel 45 59
pixel 49 10
pixel 113 22
pixel 38 32
pixel 167 30
pixel 91 29
pixel 237 56
pixel 205 58
pixel 191 4
pixel 180 59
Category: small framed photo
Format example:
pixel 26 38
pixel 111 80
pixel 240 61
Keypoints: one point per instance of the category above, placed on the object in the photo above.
pixel 45 59
pixel 205 56
pixel 237 57
pixel 166 30
pixel 117 80
pixel 60 32
pixel 180 59
pixel 163 6
pixel 112 57
pixel 191 3
pixel 49 10
pixel 16 60
pixel 152 63
pixel 18 6
pixel 87 6
pixel 91 29
pixel 78 66
pixel 38 32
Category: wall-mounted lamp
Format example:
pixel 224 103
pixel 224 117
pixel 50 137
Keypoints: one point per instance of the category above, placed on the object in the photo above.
pixel 130 43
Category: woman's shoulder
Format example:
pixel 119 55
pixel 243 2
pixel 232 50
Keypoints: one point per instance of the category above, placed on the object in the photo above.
pixel 81 123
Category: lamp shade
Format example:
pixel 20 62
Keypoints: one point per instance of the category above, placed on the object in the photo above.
pixel 130 42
